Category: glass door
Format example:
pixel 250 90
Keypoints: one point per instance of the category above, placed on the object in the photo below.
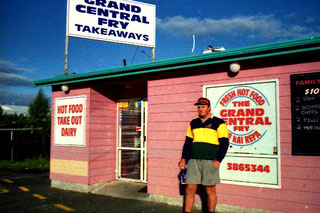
pixel 131 149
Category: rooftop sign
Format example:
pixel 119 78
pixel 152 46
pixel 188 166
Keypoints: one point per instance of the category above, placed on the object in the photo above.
pixel 119 21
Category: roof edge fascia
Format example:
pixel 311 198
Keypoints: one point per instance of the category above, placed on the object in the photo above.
pixel 258 51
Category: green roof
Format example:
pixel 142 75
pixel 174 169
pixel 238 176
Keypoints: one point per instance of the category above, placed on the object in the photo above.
pixel 246 53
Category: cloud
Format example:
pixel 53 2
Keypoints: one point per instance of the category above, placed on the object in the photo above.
pixel 11 75
pixel 266 27
pixel 15 98
pixel 9 67
pixel 15 80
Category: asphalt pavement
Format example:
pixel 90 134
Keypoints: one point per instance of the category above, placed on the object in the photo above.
pixel 31 192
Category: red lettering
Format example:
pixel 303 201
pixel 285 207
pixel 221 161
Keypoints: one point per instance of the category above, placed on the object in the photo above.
pixel 257 98
pixel 252 137
pixel 75 108
pixel 243 92
pixel 223 113
pixel 227 98
pixel 62 109
pixel 76 120
pixel 241 103
pixel 241 167
pixel 237 139
pixel 64 120
pixel 68 131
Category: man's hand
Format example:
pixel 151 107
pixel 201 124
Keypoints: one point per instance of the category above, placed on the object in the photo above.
pixel 216 164
pixel 182 164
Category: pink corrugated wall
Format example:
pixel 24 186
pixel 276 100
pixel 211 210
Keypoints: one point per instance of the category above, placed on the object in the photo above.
pixel 100 148
pixel 170 105
pixel 66 152
pixel 103 133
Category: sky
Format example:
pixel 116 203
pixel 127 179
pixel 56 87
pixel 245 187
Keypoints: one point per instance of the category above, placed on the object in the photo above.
pixel 32 36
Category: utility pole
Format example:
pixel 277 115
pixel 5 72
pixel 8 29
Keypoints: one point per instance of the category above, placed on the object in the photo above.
pixel 66 55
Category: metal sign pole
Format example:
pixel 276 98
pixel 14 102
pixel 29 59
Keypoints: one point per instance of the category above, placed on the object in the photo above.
pixel 153 53
pixel 11 138
pixel 66 55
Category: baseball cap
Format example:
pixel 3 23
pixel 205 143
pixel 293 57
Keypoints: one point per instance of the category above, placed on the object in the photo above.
pixel 203 101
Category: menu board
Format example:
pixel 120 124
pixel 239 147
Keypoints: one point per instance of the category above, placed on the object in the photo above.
pixel 305 99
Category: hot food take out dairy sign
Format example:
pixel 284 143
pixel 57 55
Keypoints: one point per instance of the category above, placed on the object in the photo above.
pixel 69 121
pixel 250 110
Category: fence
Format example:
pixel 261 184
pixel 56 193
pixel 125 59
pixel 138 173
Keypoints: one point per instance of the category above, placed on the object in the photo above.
pixel 21 143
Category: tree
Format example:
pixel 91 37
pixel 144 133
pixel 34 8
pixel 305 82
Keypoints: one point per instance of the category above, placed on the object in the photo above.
pixel 39 107
pixel 1 113
pixel 39 116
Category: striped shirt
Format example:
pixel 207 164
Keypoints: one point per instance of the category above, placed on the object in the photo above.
pixel 206 140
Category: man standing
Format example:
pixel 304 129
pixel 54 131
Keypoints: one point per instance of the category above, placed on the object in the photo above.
pixel 205 147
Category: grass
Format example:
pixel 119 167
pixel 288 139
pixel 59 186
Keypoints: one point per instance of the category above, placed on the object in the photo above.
pixel 29 164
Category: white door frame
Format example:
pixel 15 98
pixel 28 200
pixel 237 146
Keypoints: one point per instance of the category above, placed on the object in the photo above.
pixel 143 139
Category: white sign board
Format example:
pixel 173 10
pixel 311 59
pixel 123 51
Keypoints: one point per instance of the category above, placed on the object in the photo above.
pixel 250 171
pixel 250 110
pixel 69 121
pixel 119 21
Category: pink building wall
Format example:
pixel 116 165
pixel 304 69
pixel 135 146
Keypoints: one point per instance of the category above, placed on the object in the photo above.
pixel 97 158
pixel 170 109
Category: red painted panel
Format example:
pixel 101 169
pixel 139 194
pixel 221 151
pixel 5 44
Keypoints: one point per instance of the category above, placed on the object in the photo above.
pixel 69 178
pixel 101 179
pixel 285 148
pixel 102 164
pixel 163 172
pixel 172 154
pixel 285 113
pixel 301 185
pixel 102 120
pixel 176 88
pixel 102 172
pixel 163 136
pixel 285 136
pixel 103 156
pixel 271 205
pixel 168 126
pixel 244 75
pixel 103 127
pixel 103 112
pixel 171 145
pixel 103 134
pixel 161 181
pixel 300 175
pixel 100 136
pixel 69 155
pixel 304 173
pixel 99 104
pixel 285 125
pixel 173 98
pixel 102 142
pixel 161 190
pixel 301 161
pixel 172 107
pixel 177 116
pixel 164 163
pixel 266 193
pixel 99 149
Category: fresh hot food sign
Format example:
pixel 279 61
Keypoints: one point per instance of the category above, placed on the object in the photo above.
pixel 250 110
pixel 69 121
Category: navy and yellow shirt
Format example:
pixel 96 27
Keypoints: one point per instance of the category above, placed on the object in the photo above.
pixel 208 140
